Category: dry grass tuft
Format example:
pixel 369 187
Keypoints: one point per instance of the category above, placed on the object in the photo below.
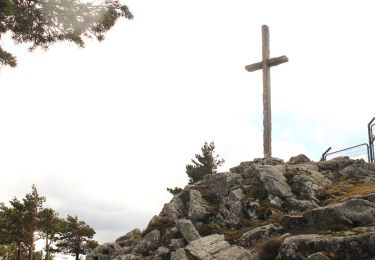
pixel 233 235
pixel 343 189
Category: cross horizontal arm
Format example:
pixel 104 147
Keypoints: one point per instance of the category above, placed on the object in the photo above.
pixel 270 62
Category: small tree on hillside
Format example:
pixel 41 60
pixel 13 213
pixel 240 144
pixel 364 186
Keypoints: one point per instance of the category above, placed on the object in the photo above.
pixel 205 163
pixel 76 237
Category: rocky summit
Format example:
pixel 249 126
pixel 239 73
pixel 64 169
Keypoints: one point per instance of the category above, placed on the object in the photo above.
pixel 263 209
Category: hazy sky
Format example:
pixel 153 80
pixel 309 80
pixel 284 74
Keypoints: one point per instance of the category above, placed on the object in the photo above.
pixel 102 131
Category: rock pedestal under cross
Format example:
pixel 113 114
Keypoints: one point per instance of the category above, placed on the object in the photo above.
pixel 265 65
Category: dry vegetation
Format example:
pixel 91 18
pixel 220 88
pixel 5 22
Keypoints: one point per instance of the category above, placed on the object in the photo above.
pixel 342 189
pixel 234 234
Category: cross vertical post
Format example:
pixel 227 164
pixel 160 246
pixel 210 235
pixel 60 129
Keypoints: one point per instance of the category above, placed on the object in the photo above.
pixel 267 124
pixel 265 65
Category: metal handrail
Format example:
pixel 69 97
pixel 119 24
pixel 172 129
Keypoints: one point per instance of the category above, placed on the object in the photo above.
pixel 370 145
pixel 324 156
pixel 371 138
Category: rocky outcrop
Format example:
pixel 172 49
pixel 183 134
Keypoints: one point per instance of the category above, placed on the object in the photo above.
pixel 128 257
pixel 130 238
pixel 179 254
pixel 232 208
pixel 303 246
pixel 205 247
pixel 338 216
pixel 260 209
pixel 162 253
pixel 317 256
pixel 187 230
pixel 177 244
pixel 175 209
pixel 335 165
pixel 197 206
pixel 305 180
pixel 257 235
pixel 107 249
pixel 215 247
pixel 220 183
pixel 273 179
pixel 149 243
pixel 299 159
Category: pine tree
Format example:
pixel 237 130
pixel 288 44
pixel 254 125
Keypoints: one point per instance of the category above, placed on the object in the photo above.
pixel 25 218
pixel 76 237
pixel 7 251
pixel 33 203
pixel 18 223
pixel 49 225
pixel 43 23
pixel 12 225
pixel 205 163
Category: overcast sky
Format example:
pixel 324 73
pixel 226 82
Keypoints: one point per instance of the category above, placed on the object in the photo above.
pixel 102 131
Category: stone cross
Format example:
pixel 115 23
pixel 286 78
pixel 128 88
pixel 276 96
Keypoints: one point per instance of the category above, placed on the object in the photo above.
pixel 265 65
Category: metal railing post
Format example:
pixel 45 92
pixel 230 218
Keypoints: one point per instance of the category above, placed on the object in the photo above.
pixel 371 139
pixel 325 154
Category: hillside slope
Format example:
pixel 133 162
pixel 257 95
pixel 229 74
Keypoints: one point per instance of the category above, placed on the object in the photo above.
pixel 263 209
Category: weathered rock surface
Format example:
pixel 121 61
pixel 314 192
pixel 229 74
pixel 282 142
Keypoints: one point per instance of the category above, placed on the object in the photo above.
pixel 148 243
pixel 336 164
pixel 301 246
pixel 205 247
pixel 353 213
pixel 350 213
pixel 187 229
pixel 179 254
pixel 233 252
pixel 177 243
pixel 215 247
pixel 317 256
pixel 175 208
pixel 305 180
pixel 273 179
pixel 197 206
pixel 301 158
pixel 232 208
pixel 133 235
pixel 220 183
pixel 248 212
pixel 107 249
pixel 128 257
pixel 130 238
pixel 162 253
pixel 257 234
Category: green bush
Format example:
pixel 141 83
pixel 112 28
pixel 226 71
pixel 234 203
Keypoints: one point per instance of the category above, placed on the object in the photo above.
pixel 174 191
pixel 206 163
